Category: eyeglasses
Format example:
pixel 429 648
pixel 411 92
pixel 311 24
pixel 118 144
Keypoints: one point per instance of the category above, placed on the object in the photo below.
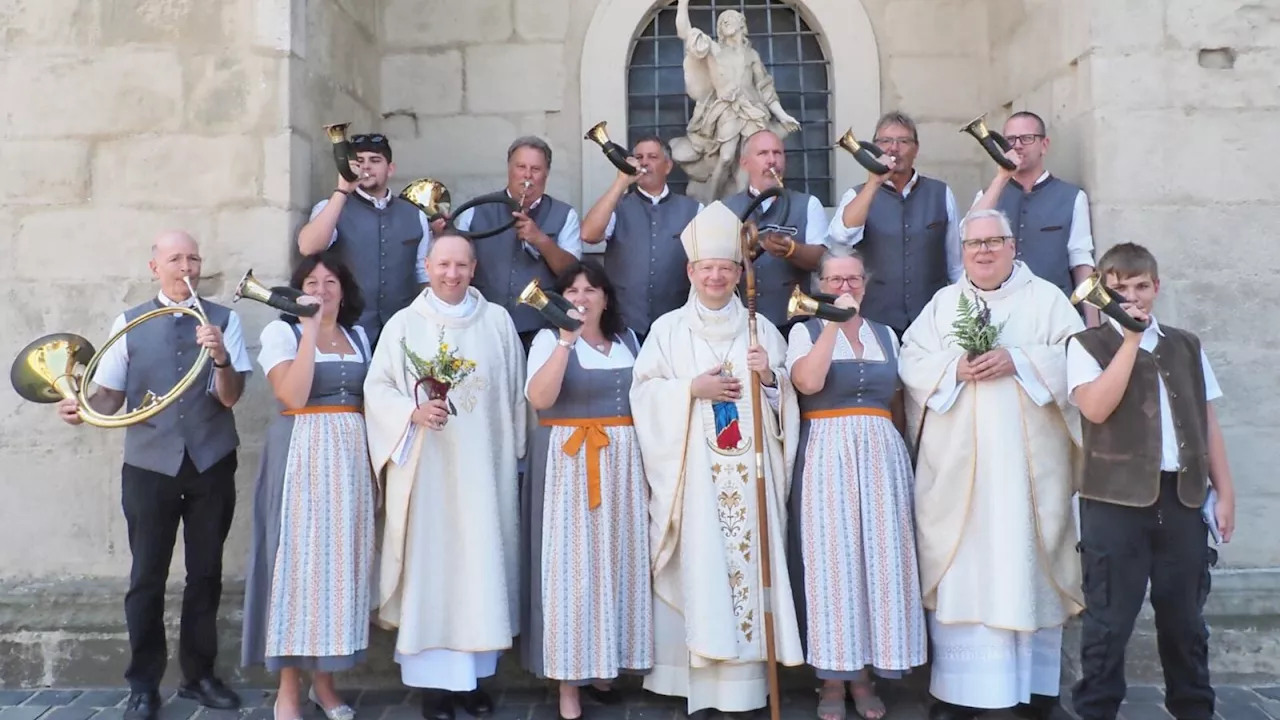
pixel 369 139
pixel 886 141
pixel 1022 139
pixel 990 243
pixel 851 281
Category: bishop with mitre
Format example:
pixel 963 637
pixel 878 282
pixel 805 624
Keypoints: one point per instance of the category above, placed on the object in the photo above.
pixel 446 412
pixel 691 402
pixel 984 366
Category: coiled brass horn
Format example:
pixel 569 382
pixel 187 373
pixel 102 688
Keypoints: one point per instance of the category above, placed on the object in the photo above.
pixel 612 150
pixel 864 152
pixel 432 198
pixel 1093 291
pixel 342 156
pixel 993 142
pixel 553 306
pixel 819 305
pixel 281 297
pixel 45 371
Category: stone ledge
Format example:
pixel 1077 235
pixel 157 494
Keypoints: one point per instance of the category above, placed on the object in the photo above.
pixel 70 633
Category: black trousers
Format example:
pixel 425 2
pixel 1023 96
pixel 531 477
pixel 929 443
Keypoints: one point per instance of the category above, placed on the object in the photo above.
pixel 1121 549
pixel 154 504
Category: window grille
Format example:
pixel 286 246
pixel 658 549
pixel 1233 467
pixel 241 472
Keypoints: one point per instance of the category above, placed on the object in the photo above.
pixel 791 52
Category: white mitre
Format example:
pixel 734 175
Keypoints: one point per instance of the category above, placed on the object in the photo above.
pixel 714 234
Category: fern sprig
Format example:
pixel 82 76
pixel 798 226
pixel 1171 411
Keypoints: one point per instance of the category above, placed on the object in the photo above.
pixel 972 329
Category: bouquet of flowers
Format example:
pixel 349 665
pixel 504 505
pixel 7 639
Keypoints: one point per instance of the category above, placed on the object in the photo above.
pixel 440 373
pixel 973 330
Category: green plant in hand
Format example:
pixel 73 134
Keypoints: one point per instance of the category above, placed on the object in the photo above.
pixel 972 329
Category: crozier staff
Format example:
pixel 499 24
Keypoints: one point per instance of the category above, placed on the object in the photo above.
pixel 178 468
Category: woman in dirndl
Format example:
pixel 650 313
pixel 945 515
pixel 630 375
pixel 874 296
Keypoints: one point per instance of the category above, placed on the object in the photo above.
pixel 586 602
pixel 851 545
pixel 307 594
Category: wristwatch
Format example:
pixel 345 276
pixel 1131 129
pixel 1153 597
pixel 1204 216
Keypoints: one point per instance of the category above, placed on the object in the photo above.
pixel 563 343
pixel 222 365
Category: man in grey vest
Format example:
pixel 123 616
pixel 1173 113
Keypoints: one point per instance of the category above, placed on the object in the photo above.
pixel 905 226
pixel 383 238
pixel 1050 216
pixel 546 238
pixel 179 467
pixel 795 249
pixel 642 220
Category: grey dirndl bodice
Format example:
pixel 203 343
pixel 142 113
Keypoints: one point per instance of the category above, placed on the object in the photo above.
pixel 856 383
pixel 594 393
pixel 338 382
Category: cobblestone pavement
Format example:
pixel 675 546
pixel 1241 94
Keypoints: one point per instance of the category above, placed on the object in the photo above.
pixel 1144 703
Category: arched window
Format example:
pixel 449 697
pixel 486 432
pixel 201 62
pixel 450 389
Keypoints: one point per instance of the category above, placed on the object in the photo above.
pixel 793 55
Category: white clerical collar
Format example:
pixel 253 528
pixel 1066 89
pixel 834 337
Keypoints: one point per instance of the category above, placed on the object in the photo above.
pixel 380 203
pixel 165 301
pixel 720 315
pixel 654 199
pixel 1152 330
pixel 464 308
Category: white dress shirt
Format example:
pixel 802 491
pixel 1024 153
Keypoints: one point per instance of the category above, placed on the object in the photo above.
pixel 279 344
pixel 815 232
pixel 381 204
pixel 568 239
pixel 1080 241
pixel 1082 368
pixel 800 344
pixel 613 216
pixel 851 236
pixel 544 344
pixel 113 369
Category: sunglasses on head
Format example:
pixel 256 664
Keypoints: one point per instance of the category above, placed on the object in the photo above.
pixel 369 139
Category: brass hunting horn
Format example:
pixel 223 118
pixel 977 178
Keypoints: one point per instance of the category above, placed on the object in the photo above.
pixel 864 152
pixel 1094 292
pixel 819 305
pixel 281 297
pixel 553 306
pixel 342 155
pixel 45 371
pixel 993 142
pixel 432 198
pixel 612 150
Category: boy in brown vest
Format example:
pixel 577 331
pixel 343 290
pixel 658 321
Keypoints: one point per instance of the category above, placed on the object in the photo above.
pixel 1153 449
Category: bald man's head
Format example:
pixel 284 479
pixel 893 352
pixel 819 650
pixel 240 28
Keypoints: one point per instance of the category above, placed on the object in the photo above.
pixel 175 255
pixel 762 151
pixel 451 263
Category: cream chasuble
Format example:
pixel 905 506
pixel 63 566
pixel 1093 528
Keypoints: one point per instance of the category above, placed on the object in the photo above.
pixel 449 561
pixel 996 462
pixel 700 464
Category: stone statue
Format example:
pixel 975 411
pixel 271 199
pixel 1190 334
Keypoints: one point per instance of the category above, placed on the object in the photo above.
pixel 733 98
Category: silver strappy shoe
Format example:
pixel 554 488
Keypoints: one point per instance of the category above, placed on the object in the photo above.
pixel 341 712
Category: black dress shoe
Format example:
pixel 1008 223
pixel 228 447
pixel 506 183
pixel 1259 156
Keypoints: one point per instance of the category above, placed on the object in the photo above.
pixel 211 693
pixel 947 711
pixel 477 703
pixel 605 697
pixel 437 705
pixel 142 706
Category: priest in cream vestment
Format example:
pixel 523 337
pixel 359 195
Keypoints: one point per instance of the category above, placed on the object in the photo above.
pixel 994 479
pixel 691 402
pixel 449 555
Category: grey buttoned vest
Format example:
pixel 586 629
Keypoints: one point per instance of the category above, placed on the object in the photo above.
pixel 775 277
pixel 503 267
pixel 904 246
pixel 161 352
pixel 381 247
pixel 1041 221
pixel 645 260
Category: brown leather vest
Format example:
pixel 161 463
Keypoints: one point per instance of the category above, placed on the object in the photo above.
pixel 1122 455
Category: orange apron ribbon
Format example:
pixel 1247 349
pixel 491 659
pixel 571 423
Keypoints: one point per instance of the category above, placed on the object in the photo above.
pixel 589 432
pixel 845 412
pixel 321 409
